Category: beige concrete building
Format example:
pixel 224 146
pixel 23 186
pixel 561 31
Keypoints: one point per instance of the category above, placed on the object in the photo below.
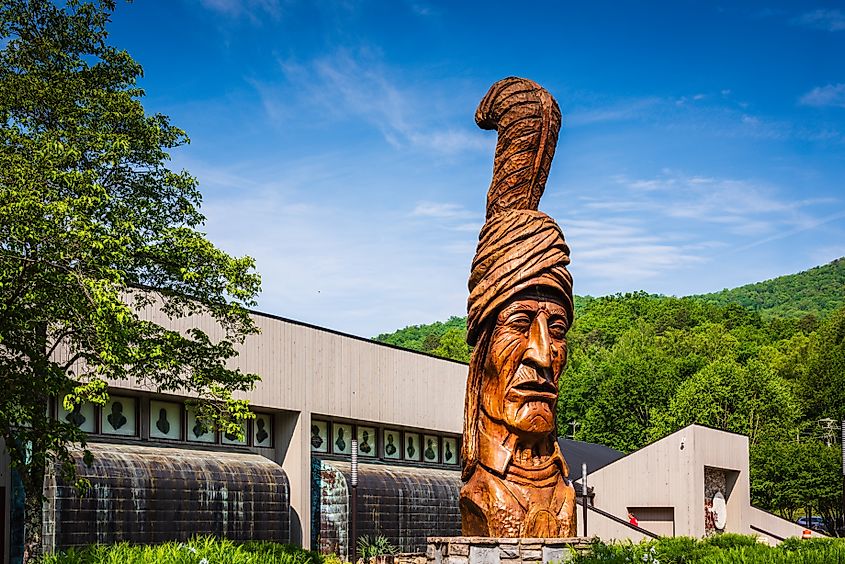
pixel 319 389
pixel 317 386
pixel 695 482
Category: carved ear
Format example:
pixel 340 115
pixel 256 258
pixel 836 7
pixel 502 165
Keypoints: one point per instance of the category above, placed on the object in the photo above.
pixel 528 120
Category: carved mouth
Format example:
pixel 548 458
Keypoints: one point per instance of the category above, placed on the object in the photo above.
pixel 536 390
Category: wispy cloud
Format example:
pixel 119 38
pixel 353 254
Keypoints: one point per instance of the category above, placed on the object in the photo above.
pixel 356 85
pixel 442 210
pixel 744 207
pixel 829 20
pixel 614 253
pixel 626 110
pixel 254 10
pixel 635 232
pixel 713 113
pixel 828 95
pixel 342 270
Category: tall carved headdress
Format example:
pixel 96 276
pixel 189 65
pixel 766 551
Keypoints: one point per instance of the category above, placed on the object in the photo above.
pixel 519 248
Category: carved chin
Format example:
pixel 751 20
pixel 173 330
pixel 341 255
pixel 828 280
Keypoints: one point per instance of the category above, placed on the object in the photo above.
pixel 534 417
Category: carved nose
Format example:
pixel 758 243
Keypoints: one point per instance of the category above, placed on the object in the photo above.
pixel 539 351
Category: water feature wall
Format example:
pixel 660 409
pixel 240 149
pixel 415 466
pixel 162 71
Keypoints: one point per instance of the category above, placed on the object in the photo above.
pixel 150 494
pixel 403 503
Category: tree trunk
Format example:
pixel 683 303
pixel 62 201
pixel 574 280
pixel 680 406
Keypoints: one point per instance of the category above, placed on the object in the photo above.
pixel 33 513
pixel 33 468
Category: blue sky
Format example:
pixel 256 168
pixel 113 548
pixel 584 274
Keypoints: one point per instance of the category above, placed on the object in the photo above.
pixel 703 145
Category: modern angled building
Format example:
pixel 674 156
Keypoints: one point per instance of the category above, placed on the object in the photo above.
pixel 158 475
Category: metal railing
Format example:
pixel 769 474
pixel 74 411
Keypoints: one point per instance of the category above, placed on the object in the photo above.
pixel 613 517
pixel 765 532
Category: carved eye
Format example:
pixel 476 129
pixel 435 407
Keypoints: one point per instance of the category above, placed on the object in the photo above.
pixel 520 321
pixel 557 329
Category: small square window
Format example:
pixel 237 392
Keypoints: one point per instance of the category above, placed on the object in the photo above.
pixel 412 447
pixel 262 430
pixel 431 448
pixel 392 444
pixel 165 420
pixel 450 451
pixel 234 439
pixel 319 436
pixel 83 416
pixel 367 441
pixel 341 438
pixel 199 432
pixel 119 416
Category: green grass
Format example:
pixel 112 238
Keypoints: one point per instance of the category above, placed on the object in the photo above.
pixel 199 550
pixel 720 549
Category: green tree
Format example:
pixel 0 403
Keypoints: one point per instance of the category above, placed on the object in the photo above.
pixel 750 400
pixel 823 384
pixel 453 344
pixel 788 477
pixel 631 379
pixel 94 230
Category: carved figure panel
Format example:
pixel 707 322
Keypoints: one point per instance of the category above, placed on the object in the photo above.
pixel 234 438
pixel 367 441
pixel 411 450
pixel 82 416
pixel 197 431
pixel 342 438
pixel 519 310
pixel 262 430
pixel 450 451
pixel 392 443
pixel 319 436
pixel 119 416
pixel 165 420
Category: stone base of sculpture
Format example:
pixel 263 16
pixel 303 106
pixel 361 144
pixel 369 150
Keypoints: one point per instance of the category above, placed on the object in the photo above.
pixel 488 550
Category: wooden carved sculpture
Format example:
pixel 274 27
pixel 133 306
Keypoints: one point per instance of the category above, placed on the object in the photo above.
pixel 519 310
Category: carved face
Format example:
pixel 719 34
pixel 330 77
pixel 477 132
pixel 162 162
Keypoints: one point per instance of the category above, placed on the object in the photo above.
pixel 527 354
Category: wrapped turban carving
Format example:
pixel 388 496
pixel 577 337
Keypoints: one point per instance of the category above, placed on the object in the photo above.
pixel 517 250
pixel 515 475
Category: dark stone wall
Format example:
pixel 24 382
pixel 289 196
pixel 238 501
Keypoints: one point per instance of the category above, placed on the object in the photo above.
pixel 149 494
pixel 405 504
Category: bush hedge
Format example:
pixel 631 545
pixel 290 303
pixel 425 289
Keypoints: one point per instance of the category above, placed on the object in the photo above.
pixel 720 549
pixel 199 550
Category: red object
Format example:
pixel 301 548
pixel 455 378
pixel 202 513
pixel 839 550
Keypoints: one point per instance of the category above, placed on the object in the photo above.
pixel 807 533
pixel 633 520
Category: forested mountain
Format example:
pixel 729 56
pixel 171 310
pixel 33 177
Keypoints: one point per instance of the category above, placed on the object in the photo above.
pixel 817 291
pixel 810 295
pixel 642 366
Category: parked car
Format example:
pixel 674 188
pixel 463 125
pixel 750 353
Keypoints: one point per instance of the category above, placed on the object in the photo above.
pixel 815 523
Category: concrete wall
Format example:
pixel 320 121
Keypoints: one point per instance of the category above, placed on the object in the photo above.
pixel 670 474
pixel 307 370
pixel 772 529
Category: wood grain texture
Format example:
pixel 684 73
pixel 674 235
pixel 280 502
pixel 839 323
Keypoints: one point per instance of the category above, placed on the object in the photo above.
pixel 518 312
pixel 528 120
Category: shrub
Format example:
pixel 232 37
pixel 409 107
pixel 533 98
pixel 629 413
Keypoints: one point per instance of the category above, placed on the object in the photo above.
pixel 720 549
pixel 199 550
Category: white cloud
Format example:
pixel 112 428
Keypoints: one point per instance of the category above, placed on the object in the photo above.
pixel 821 96
pixel 625 110
pixel 654 232
pixel 255 10
pixel 830 20
pixel 441 210
pixel 611 254
pixel 356 85
pixel 363 269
